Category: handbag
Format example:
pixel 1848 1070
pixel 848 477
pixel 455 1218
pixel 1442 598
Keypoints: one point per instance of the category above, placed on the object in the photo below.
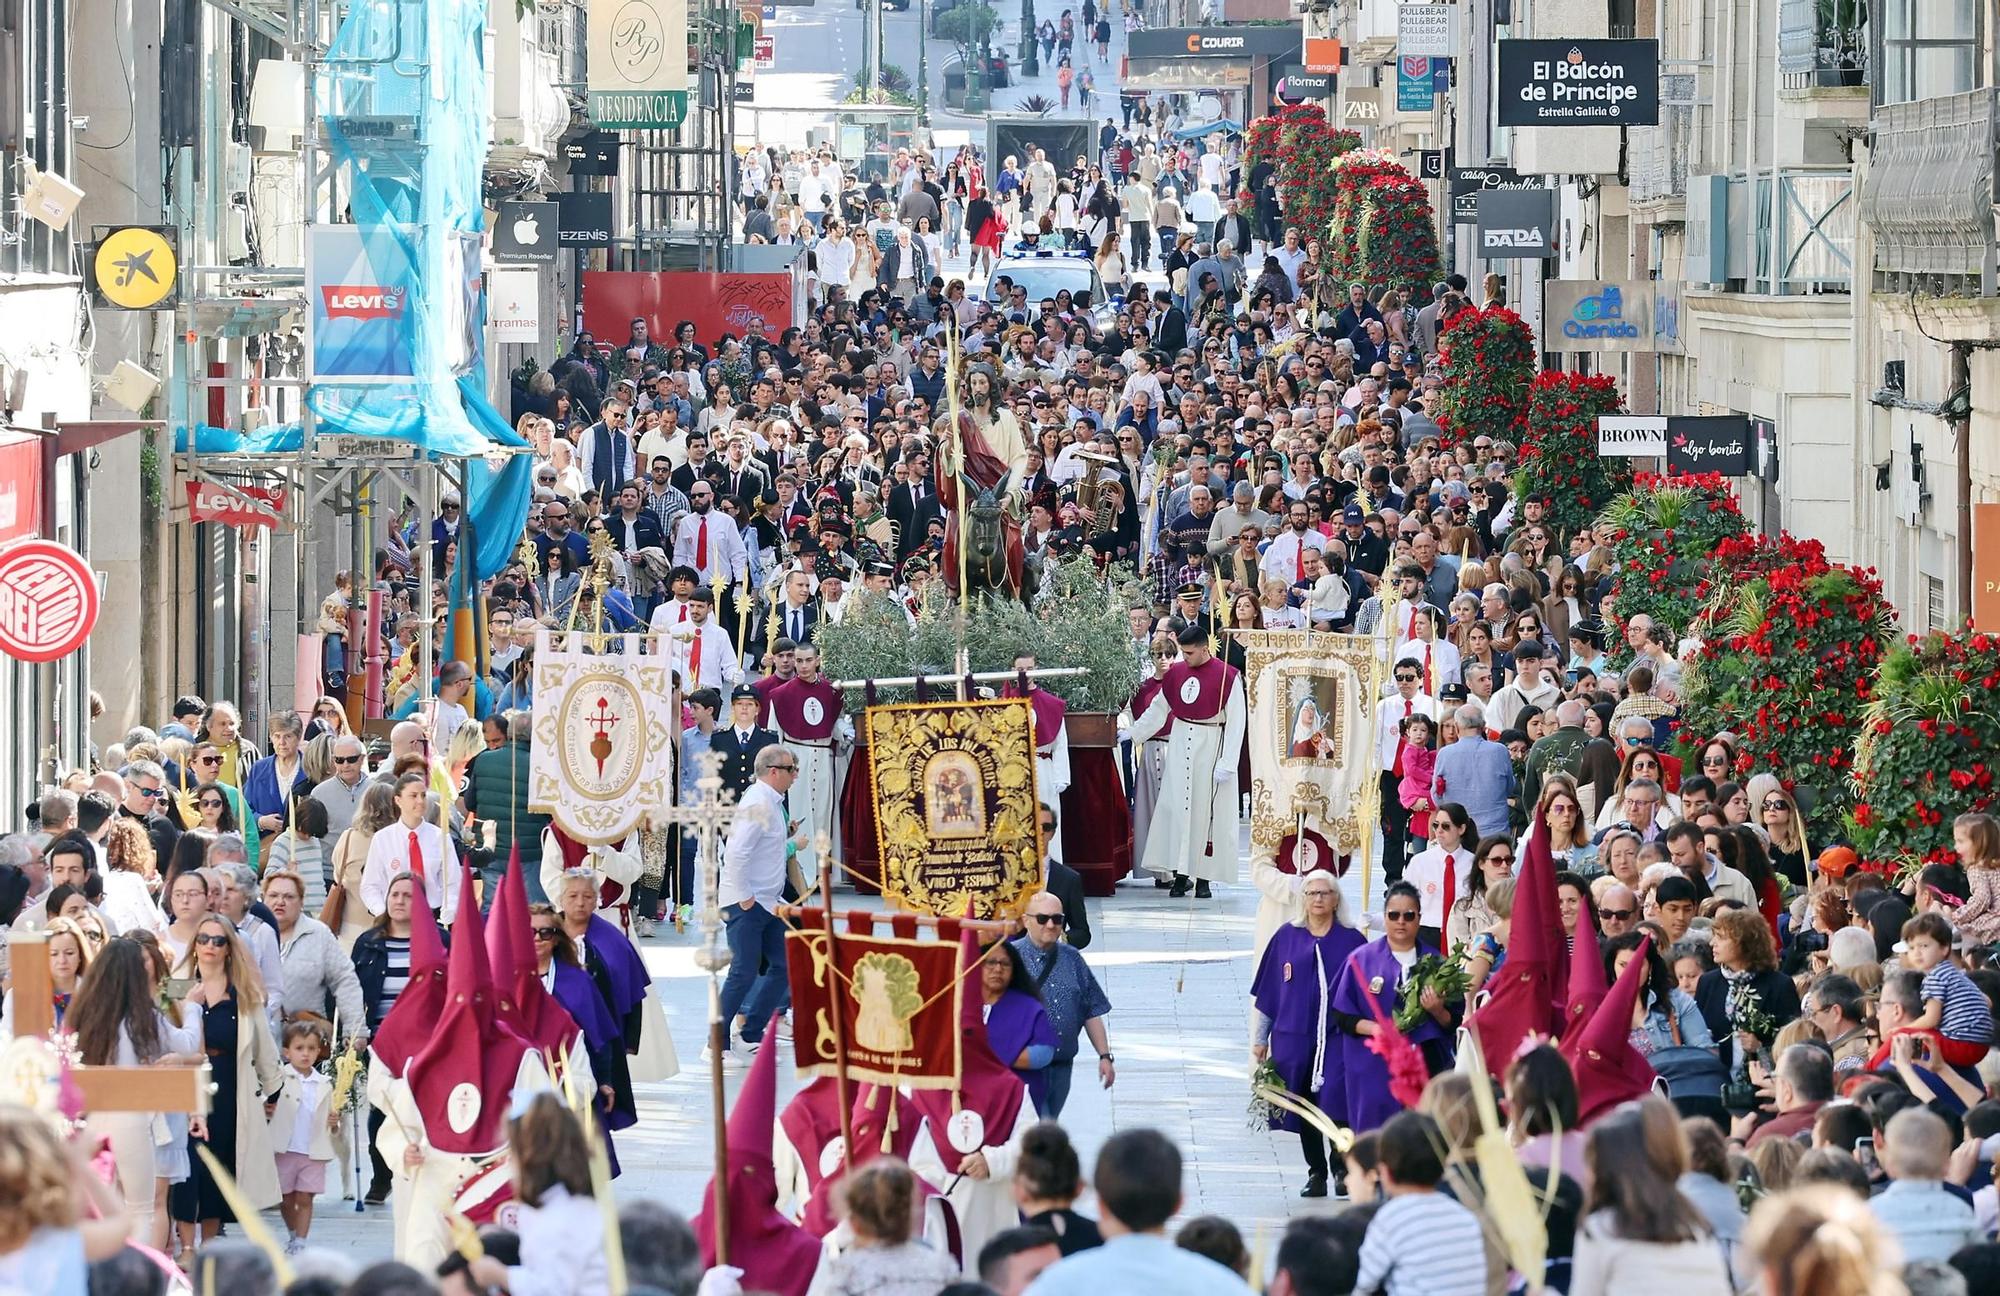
pixel 335 907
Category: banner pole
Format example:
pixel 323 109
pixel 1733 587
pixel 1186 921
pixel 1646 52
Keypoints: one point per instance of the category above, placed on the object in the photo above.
pixel 840 1092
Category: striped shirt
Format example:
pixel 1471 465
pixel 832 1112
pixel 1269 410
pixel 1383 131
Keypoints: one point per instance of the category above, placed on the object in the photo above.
pixel 1423 1244
pixel 396 976
pixel 1968 1017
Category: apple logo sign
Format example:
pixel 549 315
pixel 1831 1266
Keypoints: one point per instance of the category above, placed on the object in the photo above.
pixel 526 232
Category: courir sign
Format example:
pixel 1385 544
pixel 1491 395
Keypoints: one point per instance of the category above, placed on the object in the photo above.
pixel 1592 315
pixel 1579 83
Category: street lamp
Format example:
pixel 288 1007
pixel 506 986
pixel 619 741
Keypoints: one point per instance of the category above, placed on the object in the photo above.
pixel 1029 65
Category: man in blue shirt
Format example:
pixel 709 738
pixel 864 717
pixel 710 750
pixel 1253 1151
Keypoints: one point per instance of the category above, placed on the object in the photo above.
pixel 1475 772
pixel 1138 1182
pixel 1075 1002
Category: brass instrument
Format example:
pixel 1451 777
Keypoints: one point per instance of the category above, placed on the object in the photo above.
pixel 1090 490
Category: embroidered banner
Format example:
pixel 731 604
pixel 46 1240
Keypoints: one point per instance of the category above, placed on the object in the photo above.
pixel 897 1000
pixel 604 730
pixel 1311 707
pixel 955 807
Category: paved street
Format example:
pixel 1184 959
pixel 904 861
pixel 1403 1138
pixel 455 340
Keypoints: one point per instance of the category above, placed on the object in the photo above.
pixel 1178 974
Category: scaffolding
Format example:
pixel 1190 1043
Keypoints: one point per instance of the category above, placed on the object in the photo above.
pixel 238 339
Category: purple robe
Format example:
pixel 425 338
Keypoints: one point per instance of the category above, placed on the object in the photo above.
pixel 1369 1102
pixel 579 996
pixel 620 974
pixel 1016 1022
pixel 1294 989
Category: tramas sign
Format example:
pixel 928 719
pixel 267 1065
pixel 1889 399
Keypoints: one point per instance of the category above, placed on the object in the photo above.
pixel 1579 83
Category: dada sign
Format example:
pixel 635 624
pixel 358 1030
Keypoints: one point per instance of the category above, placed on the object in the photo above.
pixel 1579 83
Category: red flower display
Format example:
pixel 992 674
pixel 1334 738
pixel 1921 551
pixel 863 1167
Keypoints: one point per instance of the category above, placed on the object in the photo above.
pixel 1301 143
pixel 1788 662
pixel 1558 456
pixel 1665 532
pixel 1487 359
pixel 1381 233
pixel 1926 751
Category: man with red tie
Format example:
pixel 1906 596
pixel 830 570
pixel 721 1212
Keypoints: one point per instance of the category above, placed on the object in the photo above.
pixel 1408 699
pixel 673 611
pixel 706 657
pixel 1193 833
pixel 1285 556
pixel 710 542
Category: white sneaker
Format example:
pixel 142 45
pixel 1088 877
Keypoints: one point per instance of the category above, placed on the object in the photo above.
pixel 782 1025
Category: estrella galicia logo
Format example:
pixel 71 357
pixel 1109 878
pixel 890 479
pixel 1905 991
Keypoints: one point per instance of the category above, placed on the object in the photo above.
pixel 1601 316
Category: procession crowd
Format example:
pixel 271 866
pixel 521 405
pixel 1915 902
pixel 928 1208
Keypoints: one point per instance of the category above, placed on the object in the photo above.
pixel 1773 1069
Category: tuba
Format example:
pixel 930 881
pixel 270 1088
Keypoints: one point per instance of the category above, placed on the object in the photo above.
pixel 1090 490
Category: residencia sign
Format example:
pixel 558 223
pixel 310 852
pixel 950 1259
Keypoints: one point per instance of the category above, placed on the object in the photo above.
pixel 1579 83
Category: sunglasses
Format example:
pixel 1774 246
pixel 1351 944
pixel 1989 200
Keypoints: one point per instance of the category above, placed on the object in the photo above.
pixel 545 933
pixel 1616 915
pixel 346 760
pixel 1775 804
pixel 789 769
pixel 208 760
pixel 217 942
pixel 1046 920
pixel 1401 915
pixel 150 793
pixel 211 803
pixel 1499 859
pixel 1406 679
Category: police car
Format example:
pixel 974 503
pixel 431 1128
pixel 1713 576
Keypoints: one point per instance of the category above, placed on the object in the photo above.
pixel 1046 271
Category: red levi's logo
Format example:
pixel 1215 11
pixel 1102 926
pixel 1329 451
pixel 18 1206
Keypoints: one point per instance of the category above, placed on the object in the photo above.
pixel 362 301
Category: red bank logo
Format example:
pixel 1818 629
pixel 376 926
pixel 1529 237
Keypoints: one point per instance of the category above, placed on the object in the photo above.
pixel 363 301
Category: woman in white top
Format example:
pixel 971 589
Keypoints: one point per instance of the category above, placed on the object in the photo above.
pixel 861 277
pixel 1639 1235
pixel 1111 264
pixel 1065 212
pixel 933 243
pixel 1279 614
pixel 389 853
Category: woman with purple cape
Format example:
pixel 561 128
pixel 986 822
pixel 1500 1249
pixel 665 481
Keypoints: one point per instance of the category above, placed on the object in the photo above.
pixel 1293 1024
pixel 1017 1025
pixel 578 993
pixel 1380 966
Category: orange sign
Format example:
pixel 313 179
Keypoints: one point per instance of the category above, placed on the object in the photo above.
pixel 1322 54
pixel 1986 567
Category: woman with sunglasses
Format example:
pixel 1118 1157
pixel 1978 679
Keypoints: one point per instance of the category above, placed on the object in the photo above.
pixel 1379 968
pixel 1778 813
pixel 1291 1025
pixel 1444 867
pixel 563 976
pixel 1569 835
pixel 1472 913
pixel 226 1001
pixel 328 717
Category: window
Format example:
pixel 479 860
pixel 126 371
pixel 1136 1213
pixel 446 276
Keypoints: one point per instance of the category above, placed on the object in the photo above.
pixel 1928 48
pixel 34 125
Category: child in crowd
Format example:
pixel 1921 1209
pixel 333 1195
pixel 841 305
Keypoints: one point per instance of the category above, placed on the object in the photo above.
pixel 562 1233
pixel 1421 1243
pixel 300 848
pixel 1977 839
pixel 1364 1174
pixel 302 1123
pixel 1953 1007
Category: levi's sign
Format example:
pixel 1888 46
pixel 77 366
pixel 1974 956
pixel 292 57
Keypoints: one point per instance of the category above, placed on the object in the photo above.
pixel 1579 83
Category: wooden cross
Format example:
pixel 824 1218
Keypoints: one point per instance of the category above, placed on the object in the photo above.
pixel 104 1088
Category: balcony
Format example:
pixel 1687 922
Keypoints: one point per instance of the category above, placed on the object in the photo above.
pixel 1805 232
pixel 1928 197
pixel 1822 44
pixel 1659 158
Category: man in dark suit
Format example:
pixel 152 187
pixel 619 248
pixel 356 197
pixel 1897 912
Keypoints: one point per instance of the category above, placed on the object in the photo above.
pixel 1065 884
pixel 797 613
pixel 913 502
pixel 1170 326
pixel 739 744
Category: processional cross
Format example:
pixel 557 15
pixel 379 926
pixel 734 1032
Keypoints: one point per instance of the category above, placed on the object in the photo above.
pixel 32 1061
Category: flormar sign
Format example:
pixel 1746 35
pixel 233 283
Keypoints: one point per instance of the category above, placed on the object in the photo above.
pixel 1579 83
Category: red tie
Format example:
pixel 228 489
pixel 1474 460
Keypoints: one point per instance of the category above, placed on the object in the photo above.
pixel 1410 626
pixel 701 546
pixel 684 612
pixel 1299 563
pixel 694 658
pixel 417 862
pixel 1450 889
pixel 1402 739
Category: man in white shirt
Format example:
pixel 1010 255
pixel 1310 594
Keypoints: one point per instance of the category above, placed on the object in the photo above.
pixel 1285 557
pixel 755 863
pixel 451 715
pixel 705 656
pixel 1408 699
pixel 709 542
pixel 390 853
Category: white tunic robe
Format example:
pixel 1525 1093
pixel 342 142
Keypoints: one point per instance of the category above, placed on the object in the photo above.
pixel 984 1206
pixel 815 795
pixel 1194 826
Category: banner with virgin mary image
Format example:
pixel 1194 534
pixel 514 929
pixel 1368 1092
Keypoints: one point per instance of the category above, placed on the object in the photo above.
pixel 955 806
pixel 1311 700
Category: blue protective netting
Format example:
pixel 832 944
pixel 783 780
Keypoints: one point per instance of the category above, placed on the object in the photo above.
pixel 415 198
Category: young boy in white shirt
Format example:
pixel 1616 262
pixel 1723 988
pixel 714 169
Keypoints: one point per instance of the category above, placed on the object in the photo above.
pixel 302 1122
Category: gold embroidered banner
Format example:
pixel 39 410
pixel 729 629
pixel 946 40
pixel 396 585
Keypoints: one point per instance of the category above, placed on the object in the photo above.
pixel 955 806
pixel 897 1001
pixel 1312 715
pixel 604 730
